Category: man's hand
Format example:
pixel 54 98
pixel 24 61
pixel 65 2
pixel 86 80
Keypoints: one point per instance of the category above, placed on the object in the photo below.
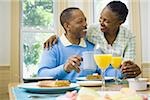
pixel 73 63
pixel 52 40
pixel 130 69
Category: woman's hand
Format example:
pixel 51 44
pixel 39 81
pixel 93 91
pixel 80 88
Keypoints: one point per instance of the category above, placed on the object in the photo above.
pixel 130 69
pixel 73 63
pixel 52 40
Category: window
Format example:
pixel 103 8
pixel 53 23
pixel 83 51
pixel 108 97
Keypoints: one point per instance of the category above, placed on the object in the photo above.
pixel 100 4
pixel 37 25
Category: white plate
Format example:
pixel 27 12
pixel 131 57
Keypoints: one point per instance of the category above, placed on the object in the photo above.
pixel 33 87
pixel 38 78
pixel 84 78
pixel 89 83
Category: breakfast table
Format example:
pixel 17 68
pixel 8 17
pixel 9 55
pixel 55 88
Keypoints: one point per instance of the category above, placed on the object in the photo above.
pixel 16 93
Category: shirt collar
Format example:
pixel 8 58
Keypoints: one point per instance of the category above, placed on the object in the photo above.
pixel 66 42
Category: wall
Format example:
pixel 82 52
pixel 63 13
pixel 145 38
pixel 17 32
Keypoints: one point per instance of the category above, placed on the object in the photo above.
pixel 5 29
pixel 145 34
pixel 145 30
pixel 4 81
pixel 5 32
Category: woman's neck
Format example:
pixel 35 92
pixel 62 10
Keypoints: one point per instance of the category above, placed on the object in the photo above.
pixel 111 36
pixel 113 33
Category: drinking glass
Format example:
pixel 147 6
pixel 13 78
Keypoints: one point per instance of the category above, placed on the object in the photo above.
pixel 116 61
pixel 103 60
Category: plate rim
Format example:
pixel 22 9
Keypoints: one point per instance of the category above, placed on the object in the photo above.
pixel 38 78
pixel 84 79
pixel 89 83
pixel 27 86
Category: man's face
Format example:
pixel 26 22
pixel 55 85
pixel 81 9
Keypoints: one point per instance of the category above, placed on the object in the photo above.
pixel 109 20
pixel 77 24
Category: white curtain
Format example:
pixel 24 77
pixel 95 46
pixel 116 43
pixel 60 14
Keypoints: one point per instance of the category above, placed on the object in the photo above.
pixel 145 29
pixel 86 6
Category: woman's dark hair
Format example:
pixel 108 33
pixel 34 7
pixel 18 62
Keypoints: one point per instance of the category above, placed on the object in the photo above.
pixel 119 8
pixel 66 15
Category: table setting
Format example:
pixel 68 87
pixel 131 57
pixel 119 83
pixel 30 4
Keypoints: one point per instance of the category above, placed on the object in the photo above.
pixel 92 86
pixel 77 91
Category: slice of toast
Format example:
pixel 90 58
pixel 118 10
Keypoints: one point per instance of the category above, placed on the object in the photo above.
pixel 57 83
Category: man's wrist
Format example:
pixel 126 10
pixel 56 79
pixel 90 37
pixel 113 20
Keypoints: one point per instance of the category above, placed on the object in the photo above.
pixel 65 70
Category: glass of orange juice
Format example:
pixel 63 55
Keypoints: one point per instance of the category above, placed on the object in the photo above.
pixel 102 60
pixel 116 62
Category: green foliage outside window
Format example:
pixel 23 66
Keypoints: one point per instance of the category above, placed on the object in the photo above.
pixel 36 14
pixel 31 54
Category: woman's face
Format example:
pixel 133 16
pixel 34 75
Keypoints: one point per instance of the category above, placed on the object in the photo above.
pixel 109 21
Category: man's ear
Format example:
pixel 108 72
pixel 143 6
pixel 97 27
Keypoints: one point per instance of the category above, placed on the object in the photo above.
pixel 66 26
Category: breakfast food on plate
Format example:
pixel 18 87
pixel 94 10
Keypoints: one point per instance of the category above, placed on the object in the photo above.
pixel 88 94
pixel 123 94
pixel 94 77
pixel 91 94
pixel 57 83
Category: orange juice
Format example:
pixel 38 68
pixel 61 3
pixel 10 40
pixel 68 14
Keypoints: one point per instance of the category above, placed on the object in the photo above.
pixel 102 60
pixel 116 62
